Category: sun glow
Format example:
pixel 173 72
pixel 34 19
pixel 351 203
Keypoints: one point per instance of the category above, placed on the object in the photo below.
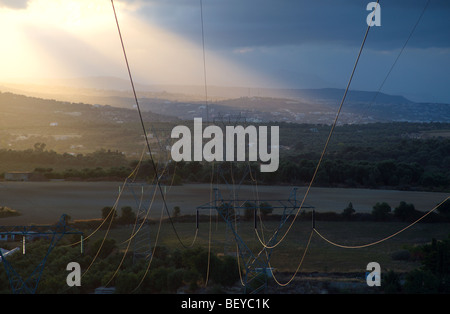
pixel 76 38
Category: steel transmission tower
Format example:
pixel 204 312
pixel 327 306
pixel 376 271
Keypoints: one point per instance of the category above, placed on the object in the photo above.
pixel 256 265
pixel 54 233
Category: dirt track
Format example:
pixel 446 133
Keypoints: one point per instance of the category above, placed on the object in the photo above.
pixel 45 202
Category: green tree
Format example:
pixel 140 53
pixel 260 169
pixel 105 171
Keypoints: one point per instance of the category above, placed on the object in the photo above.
pixel 434 275
pixel 249 210
pixel 176 211
pixel 230 271
pixel 103 248
pixel 404 211
pixel 348 212
pixel 158 279
pixel 421 281
pixel 175 280
pixel 125 282
pixel 381 211
pixel 127 215
pixel 391 282
pixel 107 211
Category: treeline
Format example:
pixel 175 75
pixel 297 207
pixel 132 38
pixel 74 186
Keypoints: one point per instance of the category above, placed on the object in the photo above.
pixel 406 164
pixel 331 173
pixel 39 155
pixel 96 174
pixel 350 161
pixel 382 212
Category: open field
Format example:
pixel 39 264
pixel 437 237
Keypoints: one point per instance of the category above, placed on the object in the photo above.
pixel 321 256
pixel 45 202
pixel 324 265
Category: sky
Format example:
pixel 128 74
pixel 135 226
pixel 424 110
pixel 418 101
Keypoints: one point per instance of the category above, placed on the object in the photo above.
pixel 247 43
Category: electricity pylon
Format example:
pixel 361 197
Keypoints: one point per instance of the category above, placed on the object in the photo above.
pixel 256 265
pixel 54 232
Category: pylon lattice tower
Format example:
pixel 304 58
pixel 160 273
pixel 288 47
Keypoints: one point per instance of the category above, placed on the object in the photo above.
pixel 54 233
pixel 256 265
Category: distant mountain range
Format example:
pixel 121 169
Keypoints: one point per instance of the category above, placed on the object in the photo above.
pixel 252 104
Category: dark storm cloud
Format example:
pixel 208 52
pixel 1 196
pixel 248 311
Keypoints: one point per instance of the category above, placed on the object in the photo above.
pixel 313 43
pixel 247 23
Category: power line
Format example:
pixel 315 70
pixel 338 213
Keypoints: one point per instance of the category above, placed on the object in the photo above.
pixel 143 126
pixel 384 239
pixel 299 264
pixel 397 58
pixel 329 137
pixel 121 189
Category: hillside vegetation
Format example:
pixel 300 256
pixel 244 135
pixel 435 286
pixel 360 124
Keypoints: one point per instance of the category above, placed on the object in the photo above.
pixel 63 140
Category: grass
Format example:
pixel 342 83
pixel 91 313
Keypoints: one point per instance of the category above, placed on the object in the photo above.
pixel 321 256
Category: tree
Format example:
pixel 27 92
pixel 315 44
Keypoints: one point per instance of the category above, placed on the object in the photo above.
pixel 391 282
pixel 249 211
pixel 421 281
pixel 404 211
pixel 102 248
pixel 175 280
pixel 106 212
pixel 127 216
pixel 39 147
pixel 176 211
pixel 126 282
pixel 381 211
pixel 230 271
pixel 348 211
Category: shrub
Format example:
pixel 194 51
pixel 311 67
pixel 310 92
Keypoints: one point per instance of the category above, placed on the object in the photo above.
pixel 175 280
pixel 381 211
pixel 421 281
pixel 404 211
pixel 391 282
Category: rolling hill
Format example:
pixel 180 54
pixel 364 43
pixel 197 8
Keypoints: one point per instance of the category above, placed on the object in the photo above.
pixel 317 106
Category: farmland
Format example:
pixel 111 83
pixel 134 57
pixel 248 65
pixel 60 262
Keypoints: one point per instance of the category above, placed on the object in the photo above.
pixel 45 202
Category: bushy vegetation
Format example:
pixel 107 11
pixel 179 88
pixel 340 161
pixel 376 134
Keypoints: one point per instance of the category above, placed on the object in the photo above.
pixel 432 277
pixel 383 212
pixel 380 155
pixel 168 271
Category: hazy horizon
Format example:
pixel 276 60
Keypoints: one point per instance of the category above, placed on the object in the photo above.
pixel 253 44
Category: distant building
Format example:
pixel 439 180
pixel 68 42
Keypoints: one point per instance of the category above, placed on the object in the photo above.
pixel 17 176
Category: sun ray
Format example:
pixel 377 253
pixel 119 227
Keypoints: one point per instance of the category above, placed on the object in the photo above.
pixel 76 38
